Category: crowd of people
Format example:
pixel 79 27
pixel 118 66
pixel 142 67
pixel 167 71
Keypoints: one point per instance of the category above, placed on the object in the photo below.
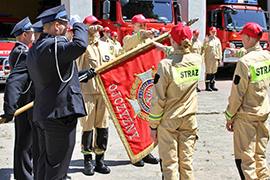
pixel 50 74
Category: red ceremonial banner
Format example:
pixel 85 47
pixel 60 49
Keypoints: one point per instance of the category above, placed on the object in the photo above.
pixel 126 85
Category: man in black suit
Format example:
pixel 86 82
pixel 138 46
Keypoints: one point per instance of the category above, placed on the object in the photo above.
pixel 58 96
pixel 17 95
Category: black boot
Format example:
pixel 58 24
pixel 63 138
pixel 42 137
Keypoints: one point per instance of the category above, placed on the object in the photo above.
pixel 101 167
pixel 150 159
pixel 87 139
pixel 207 82
pixel 212 83
pixel 88 165
pixel 139 163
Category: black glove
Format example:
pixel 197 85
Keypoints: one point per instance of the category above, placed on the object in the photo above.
pixel 8 117
pixel 85 75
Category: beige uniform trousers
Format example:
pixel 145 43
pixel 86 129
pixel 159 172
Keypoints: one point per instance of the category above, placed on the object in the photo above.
pixel 97 115
pixel 250 141
pixel 211 66
pixel 176 141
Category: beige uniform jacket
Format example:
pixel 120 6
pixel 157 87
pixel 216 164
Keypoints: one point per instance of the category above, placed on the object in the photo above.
pixel 213 49
pixel 249 93
pixel 174 95
pixel 135 40
pixel 196 46
pixel 110 46
pixel 96 54
pixel 118 48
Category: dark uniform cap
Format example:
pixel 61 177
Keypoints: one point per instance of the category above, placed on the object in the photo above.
pixel 22 26
pixel 58 12
pixel 38 26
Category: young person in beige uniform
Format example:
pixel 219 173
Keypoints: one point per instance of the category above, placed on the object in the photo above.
pixel 97 53
pixel 248 107
pixel 117 46
pixel 196 47
pixel 140 36
pixel 106 38
pixel 213 54
pixel 174 104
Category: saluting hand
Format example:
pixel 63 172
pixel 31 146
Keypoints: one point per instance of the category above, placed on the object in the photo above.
pixel 152 32
pixel 95 29
pixel 206 39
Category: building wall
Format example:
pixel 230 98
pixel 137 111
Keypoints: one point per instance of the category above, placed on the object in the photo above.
pixel 197 9
pixel 82 8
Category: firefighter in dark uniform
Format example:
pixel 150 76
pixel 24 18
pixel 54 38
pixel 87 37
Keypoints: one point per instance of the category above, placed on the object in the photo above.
pixel 24 34
pixel 38 29
pixel 58 97
pixel 248 108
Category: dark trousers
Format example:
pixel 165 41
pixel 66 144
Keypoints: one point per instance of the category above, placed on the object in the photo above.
pixel 23 148
pixel 56 139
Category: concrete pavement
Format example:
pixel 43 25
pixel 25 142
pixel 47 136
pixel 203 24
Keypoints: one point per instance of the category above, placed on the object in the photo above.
pixel 213 157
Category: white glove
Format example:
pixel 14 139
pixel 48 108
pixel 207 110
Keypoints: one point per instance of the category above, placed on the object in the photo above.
pixel 75 18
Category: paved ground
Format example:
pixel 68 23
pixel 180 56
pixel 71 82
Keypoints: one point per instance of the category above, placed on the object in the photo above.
pixel 213 158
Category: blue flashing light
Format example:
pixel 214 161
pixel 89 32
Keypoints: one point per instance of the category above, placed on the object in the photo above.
pixel 254 2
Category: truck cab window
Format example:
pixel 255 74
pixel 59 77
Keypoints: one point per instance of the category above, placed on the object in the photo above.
pixel 155 11
pixel 237 21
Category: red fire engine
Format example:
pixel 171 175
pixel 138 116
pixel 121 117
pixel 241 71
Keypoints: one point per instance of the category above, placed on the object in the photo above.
pixel 117 14
pixel 7 42
pixel 230 16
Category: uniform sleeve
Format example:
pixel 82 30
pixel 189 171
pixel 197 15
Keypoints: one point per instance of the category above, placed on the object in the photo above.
pixel 80 61
pixel 220 50
pixel 238 90
pixel 131 41
pixel 15 85
pixel 158 96
pixel 69 51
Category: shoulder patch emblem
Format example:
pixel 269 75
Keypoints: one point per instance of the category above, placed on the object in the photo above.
pixel 236 80
pixel 156 78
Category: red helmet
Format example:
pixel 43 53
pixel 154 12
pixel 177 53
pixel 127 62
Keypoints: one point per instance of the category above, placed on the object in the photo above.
pixel 114 33
pixel 91 19
pixel 252 29
pixel 162 29
pixel 213 28
pixel 139 18
pixel 196 31
pixel 70 28
pixel 106 29
pixel 180 32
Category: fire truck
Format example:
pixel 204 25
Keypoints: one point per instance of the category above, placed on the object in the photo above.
pixel 7 42
pixel 230 16
pixel 117 14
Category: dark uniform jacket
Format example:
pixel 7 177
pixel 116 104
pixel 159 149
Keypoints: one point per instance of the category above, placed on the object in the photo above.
pixel 54 98
pixel 18 80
